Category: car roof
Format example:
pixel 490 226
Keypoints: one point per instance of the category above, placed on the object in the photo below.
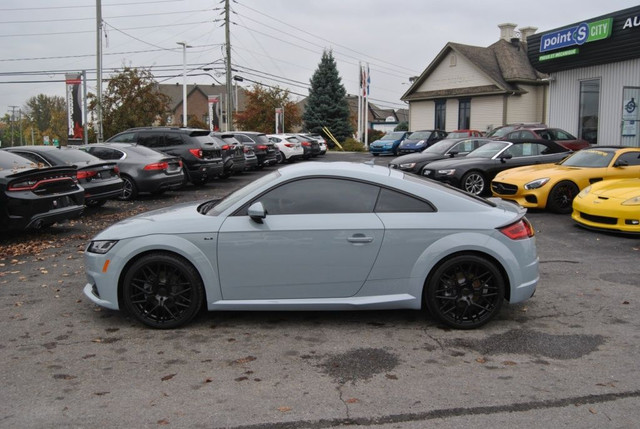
pixel 342 168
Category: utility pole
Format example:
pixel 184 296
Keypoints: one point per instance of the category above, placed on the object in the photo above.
pixel 229 99
pixel 99 135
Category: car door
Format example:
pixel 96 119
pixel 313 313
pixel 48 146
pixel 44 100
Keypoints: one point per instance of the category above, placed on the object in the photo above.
pixel 625 165
pixel 320 239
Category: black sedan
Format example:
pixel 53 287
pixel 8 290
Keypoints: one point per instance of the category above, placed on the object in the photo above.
pixel 233 160
pixel 474 172
pixel 33 197
pixel 142 169
pixel 101 180
pixel 449 148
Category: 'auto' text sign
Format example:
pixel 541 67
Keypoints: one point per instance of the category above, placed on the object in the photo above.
pixel 577 35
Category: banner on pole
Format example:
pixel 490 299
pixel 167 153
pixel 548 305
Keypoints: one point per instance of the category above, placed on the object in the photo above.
pixel 214 123
pixel 74 106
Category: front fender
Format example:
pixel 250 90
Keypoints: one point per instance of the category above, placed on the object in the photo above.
pixel 108 281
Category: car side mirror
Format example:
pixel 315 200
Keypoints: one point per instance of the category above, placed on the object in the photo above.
pixel 257 212
pixel 453 153
pixel 505 157
pixel 621 163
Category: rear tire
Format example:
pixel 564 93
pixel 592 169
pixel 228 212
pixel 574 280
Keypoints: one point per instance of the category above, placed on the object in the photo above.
pixel 129 190
pixel 465 291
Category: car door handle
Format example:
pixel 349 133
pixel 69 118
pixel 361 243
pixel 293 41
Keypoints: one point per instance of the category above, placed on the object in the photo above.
pixel 359 239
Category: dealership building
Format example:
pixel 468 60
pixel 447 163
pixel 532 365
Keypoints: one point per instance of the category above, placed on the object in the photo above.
pixel 593 70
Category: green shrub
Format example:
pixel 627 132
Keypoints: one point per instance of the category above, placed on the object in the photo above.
pixel 352 145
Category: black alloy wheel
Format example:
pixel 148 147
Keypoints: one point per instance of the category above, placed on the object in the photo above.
pixel 280 158
pixel 465 292
pixel 561 197
pixel 474 183
pixel 162 290
pixel 129 189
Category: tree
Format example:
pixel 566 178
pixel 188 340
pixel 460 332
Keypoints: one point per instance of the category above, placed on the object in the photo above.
pixel 261 105
pixel 327 104
pixel 132 99
pixel 402 126
pixel 47 114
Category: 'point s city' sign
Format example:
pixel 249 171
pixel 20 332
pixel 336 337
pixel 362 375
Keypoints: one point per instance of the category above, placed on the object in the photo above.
pixel 577 35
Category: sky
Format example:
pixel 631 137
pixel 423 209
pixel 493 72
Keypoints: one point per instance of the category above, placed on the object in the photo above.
pixel 273 42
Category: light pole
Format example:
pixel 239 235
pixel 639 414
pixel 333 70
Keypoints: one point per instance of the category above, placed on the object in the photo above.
pixel 184 82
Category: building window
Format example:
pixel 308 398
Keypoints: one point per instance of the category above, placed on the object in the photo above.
pixel 453 60
pixel 589 110
pixel 440 116
pixel 464 114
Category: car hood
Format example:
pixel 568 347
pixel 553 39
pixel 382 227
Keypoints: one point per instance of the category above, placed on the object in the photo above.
pixel 623 189
pixel 178 219
pixel 538 171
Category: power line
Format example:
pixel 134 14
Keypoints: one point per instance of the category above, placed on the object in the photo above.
pixel 85 6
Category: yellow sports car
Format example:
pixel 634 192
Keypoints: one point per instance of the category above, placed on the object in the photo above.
pixel 612 205
pixel 554 186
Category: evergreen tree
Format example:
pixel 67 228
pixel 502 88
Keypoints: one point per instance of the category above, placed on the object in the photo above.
pixel 327 104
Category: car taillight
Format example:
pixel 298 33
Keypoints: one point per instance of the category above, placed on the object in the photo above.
pixel 226 147
pixel 518 231
pixel 261 147
pixel 116 169
pixel 290 145
pixel 25 185
pixel 87 174
pixel 196 152
pixel 157 166
pixel 306 144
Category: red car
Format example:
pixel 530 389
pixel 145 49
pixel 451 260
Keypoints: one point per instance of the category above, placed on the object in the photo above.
pixel 556 134
pixel 459 134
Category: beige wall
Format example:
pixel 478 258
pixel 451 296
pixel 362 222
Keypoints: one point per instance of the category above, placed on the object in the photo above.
pixel 526 107
pixel 421 114
pixel 447 75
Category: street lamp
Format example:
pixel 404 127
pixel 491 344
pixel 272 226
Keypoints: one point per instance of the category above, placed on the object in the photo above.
pixel 184 81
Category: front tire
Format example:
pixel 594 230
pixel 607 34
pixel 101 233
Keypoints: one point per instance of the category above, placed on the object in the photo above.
pixel 162 290
pixel 465 291
pixel 474 182
pixel 561 197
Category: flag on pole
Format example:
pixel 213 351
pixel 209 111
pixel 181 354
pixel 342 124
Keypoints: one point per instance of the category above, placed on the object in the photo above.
pixel 368 79
pixel 363 81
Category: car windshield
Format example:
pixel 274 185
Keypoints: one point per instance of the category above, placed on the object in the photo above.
pixel 589 158
pixel 488 150
pixel 440 148
pixel 237 195
pixel 457 135
pixel 393 136
pixel 420 135
pixel 500 132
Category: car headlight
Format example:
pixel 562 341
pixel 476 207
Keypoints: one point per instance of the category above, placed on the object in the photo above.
pixel 635 201
pixel 584 192
pixel 535 184
pixel 408 165
pixel 448 172
pixel 101 246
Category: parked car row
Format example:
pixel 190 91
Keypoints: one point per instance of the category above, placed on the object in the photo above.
pixel 403 142
pixel 139 160
pixel 600 186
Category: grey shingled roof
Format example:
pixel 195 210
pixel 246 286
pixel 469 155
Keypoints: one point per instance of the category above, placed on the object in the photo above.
pixel 506 64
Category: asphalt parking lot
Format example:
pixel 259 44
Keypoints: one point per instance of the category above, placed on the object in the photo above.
pixel 566 358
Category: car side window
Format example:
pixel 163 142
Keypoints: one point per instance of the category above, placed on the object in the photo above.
pixel 105 153
pixel 396 202
pixel 631 158
pixel 173 139
pixel 320 196
pixel 152 140
pixel 124 138
pixel 34 157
